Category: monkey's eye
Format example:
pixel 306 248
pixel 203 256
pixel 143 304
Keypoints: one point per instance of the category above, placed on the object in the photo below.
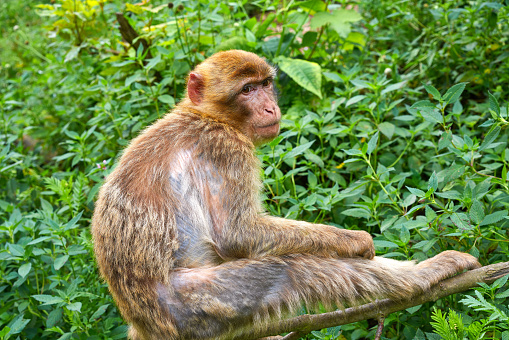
pixel 266 82
pixel 247 88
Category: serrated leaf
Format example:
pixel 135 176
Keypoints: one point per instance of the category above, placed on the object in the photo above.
pixel 431 115
pixel 452 195
pixel 416 192
pixel 75 306
pixel 423 104
pixel 433 181
pixel 454 93
pixel 430 214
pixel 476 212
pixel 372 143
pixel 459 222
pixel 387 129
pixel 24 269
pixel 357 212
pixel 305 73
pixel 54 317
pixel 48 299
pixel 60 261
pixel 490 137
pixel 494 218
pixel 494 104
pixel 432 91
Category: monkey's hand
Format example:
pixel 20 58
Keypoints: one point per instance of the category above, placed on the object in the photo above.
pixel 355 243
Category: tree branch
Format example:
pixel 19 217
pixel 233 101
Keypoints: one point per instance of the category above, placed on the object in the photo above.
pixel 130 35
pixel 302 325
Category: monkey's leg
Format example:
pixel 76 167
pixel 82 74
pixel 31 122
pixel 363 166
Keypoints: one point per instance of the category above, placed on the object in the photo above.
pixel 225 301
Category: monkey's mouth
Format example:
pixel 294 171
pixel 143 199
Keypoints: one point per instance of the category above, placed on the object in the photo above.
pixel 268 126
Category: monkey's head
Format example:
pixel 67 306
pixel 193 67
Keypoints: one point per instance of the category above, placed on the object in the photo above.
pixel 237 88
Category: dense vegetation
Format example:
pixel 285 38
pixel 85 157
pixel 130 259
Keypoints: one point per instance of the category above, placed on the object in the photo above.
pixel 396 122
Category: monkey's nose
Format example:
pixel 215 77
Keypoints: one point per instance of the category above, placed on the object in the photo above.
pixel 270 111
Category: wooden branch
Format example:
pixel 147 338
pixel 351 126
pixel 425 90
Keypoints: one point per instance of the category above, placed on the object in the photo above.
pixel 304 324
pixel 130 35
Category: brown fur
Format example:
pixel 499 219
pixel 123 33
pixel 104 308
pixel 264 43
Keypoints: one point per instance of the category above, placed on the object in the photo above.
pixel 182 239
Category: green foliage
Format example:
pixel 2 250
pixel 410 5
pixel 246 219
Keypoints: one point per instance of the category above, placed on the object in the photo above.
pixel 396 122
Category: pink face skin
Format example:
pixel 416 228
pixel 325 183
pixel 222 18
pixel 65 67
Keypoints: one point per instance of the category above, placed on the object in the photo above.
pixel 259 99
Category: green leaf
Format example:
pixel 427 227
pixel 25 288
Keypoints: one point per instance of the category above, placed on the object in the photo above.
pixel 423 104
pixel 75 306
pixel 372 143
pixel 48 299
pixel 167 99
pixel 305 73
pixel 153 62
pixel 298 150
pixel 24 269
pixel 60 261
pixel 432 91
pixel 393 87
pixel 433 181
pixel 54 317
pixel 357 212
pixel 353 152
pixel 384 244
pixel 416 192
pixel 100 311
pixel 387 129
pixel 460 221
pixel 476 212
pixel 454 93
pixel 490 137
pixel 431 115
pixel 494 218
pixel 430 214
pixel 452 195
pixel 235 43
pixel 494 104
pixel 354 39
pixel 354 100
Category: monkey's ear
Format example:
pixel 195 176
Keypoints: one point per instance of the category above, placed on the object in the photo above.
pixel 195 87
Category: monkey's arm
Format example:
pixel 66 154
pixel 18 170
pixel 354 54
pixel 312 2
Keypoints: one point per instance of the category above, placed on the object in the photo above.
pixel 268 235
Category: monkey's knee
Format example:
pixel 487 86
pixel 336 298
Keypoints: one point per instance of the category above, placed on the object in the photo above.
pixel 132 334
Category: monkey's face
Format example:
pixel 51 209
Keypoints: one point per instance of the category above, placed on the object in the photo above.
pixel 257 98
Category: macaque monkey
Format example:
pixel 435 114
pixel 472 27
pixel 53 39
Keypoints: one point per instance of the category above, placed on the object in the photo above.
pixel 182 239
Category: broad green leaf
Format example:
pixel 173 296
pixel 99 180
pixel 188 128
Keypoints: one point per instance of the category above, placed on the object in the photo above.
pixel 384 244
pixel 476 212
pixel 460 222
pixel 454 172
pixel 235 43
pixel 100 311
pixel 60 261
pixel 387 129
pixel 432 91
pixel 346 15
pixel 494 104
pixel 433 181
pixel 354 39
pixel 490 137
pixel 416 192
pixel 48 299
pixel 372 143
pixel 452 195
pixel 320 19
pixel 430 214
pixel 354 100
pixel 431 115
pixel 167 99
pixel 24 269
pixel 454 93
pixel 299 150
pixel 353 152
pixel 305 73
pixel 153 62
pixel 75 306
pixel 494 218
pixel 357 212
pixel 423 104
pixel 394 87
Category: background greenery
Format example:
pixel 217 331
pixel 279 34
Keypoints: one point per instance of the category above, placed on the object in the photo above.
pixel 396 122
